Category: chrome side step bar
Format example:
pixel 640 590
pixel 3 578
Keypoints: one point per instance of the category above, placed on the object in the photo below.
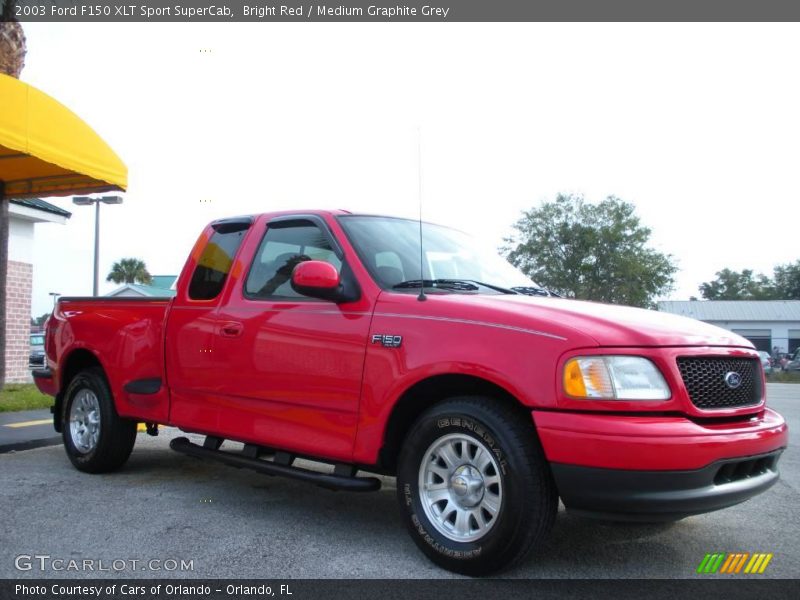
pixel 245 460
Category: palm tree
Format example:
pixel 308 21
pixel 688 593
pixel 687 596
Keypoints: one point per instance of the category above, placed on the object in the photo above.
pixel 129 270
pixel 13 47
pixel 12 58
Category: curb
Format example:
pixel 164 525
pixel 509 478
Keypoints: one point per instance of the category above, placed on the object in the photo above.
pixel 30 445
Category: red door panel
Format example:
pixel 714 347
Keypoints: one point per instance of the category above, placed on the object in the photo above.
pixel 191 363
pixel 293 374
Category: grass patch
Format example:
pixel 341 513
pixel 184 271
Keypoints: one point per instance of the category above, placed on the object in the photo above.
pixel 783 377
pixel 24 396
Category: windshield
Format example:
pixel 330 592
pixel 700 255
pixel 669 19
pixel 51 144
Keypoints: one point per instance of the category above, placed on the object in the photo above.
pixel 389 248
pixel 37 340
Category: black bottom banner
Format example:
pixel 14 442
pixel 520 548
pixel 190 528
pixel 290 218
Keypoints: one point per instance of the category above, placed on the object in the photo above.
pixel 463 589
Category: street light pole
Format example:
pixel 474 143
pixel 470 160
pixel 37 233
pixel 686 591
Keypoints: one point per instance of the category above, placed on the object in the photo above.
pixel 86 201
pixel 96 247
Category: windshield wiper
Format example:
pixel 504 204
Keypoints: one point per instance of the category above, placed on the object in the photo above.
pixel 462 285
pixel 534 291
pixel 471 285
pixel 494 287
pixel 452 284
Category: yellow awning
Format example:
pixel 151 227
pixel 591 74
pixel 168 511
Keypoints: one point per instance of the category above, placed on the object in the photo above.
pixel 47 150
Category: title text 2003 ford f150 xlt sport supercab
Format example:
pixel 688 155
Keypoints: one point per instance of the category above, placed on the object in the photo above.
pixel 313 335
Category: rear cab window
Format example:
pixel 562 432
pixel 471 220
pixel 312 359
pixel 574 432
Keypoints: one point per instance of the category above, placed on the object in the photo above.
pixel 216 260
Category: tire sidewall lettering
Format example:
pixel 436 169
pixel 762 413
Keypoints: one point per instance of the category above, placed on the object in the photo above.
pixel 529 497
pixel 410 492
pixel 478 430
pixel 449 552
pixel 419 528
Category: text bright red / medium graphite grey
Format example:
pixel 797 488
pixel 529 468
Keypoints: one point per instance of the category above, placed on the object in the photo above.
pixel 322 10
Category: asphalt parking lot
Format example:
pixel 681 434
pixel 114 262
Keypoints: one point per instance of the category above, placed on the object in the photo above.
pixel 234 523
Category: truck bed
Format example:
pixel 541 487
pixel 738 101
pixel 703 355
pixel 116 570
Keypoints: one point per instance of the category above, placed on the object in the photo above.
pixel 126 335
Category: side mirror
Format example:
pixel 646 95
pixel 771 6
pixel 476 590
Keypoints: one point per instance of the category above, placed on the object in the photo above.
pixel 317 279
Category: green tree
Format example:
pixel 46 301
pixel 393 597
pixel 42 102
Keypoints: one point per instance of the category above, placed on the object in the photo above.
pixel 39 321
pixel 733 285
pixel 129 270
pixel 590 251
pixel 787 281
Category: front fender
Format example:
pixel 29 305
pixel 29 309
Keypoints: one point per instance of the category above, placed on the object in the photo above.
pixel 521 363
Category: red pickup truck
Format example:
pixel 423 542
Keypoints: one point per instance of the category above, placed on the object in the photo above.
pixel 338 338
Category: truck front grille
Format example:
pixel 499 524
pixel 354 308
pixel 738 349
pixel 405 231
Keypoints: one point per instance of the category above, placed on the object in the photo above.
pixel 707 381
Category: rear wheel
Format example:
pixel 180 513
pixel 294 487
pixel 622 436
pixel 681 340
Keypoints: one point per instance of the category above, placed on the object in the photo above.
pixel 474 487
pixel 96 438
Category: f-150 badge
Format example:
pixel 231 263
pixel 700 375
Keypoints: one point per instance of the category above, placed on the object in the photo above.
pixel 387 341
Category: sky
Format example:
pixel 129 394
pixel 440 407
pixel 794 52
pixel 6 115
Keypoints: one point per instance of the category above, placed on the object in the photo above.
pixel 697 125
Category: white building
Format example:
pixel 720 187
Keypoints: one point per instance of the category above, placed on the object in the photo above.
pixel 766 323
pixel 161 286
pixel 23 216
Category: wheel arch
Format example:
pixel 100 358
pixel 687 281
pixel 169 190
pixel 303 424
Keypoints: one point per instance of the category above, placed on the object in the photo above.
pixel 428 392
pixel 76 361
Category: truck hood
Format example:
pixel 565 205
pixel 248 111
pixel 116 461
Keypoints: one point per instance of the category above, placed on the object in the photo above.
pixel 607 324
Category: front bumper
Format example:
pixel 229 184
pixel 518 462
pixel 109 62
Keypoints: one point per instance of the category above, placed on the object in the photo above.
pixel 664 495
pixel 659 467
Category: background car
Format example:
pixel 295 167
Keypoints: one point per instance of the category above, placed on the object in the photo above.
pixel 794 362
pixel 766 361
pixel 36 358
pixel 779 360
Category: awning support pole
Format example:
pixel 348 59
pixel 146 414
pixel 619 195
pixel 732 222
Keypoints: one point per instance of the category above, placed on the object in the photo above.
pixel 4 226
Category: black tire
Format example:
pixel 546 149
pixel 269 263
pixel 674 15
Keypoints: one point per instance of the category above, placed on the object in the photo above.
pixel 529 501
pixel 116 436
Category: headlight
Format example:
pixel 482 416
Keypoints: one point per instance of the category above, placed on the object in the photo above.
pixel 614 378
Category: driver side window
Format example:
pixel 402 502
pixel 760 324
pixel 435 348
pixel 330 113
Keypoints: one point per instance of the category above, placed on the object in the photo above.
pixel 286 244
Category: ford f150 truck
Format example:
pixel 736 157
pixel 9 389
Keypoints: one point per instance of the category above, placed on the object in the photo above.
pixel 375 345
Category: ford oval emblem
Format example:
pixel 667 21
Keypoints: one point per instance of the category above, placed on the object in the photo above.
pixel 733 380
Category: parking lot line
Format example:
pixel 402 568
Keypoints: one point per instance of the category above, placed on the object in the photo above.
pixel 29 423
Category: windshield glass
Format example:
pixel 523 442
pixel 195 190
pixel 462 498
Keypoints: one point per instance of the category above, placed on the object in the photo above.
pixel 37 340
pixel 389 248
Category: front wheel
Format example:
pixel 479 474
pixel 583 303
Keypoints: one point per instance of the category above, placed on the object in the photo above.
pixel 474 487
pixel 96 438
